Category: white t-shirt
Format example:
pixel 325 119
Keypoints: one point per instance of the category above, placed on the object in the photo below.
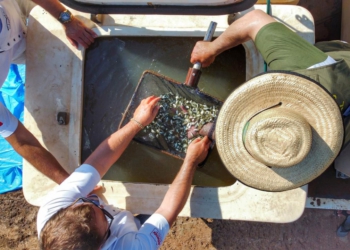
pixel 12 46
pixel 12 36
pixel 8 122
pixel 125 232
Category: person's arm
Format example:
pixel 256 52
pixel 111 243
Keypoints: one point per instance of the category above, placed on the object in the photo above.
pixel 76 31
pixel 153 231
pixel 179 190
pixel 25 144
pixel 240 31
pixel 111 148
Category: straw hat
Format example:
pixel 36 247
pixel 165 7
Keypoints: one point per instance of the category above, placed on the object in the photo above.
pixel 278 131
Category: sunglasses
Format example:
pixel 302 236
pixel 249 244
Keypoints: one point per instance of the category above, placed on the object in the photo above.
pixel 108 216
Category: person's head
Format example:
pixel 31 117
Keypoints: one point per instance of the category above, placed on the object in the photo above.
pixel 83 225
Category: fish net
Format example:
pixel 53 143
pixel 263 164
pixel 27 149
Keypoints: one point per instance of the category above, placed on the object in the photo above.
pixel 183 112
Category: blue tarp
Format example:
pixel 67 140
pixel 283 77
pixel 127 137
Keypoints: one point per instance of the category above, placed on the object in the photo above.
pixel 12 96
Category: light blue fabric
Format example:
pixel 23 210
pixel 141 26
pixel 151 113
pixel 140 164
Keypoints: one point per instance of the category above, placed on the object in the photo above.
pixel 12 96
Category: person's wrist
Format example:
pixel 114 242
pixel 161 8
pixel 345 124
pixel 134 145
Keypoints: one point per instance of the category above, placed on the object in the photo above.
pixel 70 23
pixel 191 162
pixel 137 123
pixel 65 17
pixel 217 47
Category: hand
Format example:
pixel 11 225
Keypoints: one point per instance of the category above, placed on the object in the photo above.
pixel 147 110
pixel 204 53
pixel 97 189
pixel 77 33
pixel 198 150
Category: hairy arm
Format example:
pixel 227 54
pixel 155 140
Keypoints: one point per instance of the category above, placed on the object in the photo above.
pixel 76 31
pixel 30 149
pixel 242 30
pixel 179 190
pixel 111 148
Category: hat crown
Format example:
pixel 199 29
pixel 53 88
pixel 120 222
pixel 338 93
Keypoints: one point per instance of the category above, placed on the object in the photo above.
pixel 278 137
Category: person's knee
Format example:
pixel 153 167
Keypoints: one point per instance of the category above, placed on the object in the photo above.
pixel 258 12
pixel 261 16
pixel 255 20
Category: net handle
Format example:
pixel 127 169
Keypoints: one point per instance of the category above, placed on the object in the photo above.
pixel 194 73
pixel 208 36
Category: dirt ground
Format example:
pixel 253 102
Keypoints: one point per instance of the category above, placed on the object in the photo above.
pixel 314 230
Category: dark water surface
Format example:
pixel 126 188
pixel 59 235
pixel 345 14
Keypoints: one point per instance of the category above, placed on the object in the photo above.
pixel 113 67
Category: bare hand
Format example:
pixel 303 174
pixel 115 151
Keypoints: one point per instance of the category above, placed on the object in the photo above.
pixel 77 33
pixel 198 150
pixel 147 110
pixel 97 189
pixel 204 53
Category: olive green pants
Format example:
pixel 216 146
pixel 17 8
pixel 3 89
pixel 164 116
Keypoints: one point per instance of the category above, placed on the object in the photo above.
pixel 282 49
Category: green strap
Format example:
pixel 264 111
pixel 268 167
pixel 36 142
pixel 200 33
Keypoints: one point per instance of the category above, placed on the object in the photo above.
pixel 268 7
pixel 268 11
pixel 245 131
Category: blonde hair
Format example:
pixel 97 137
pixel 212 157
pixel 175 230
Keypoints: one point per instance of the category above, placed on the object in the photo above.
pixel 71 228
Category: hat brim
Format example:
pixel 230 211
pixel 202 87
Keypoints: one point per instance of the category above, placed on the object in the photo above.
pixel 295 92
